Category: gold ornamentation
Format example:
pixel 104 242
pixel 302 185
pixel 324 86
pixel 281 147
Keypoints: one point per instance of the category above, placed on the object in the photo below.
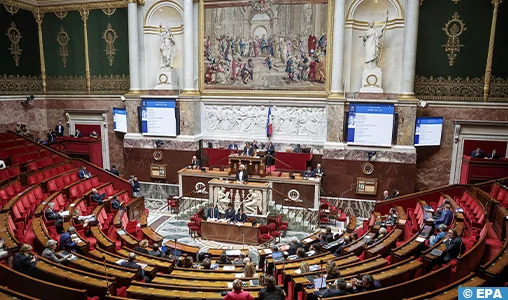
pixel 110 36
pixel 453 29
pixel 16 84
pixel 109 11
pixel 38 18
pixel 68 7
pixel 490 53
pixel 63 39
pixel 66 85
pixel 61 14
pixel 110 84
pixel 163 78
pixel 371 80
pixel 157 155
pixel 11 9
pixel 84 16
pixel 367 168
pixel 499 88
pixel 440 88
pixel 14 36
pixel 455 1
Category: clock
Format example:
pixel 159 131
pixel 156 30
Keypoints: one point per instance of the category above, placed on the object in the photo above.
pixel 367 168
pixel 157 155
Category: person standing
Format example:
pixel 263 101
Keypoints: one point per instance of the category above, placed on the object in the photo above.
pixel 59 129
pixel 242 175
pixel 136 187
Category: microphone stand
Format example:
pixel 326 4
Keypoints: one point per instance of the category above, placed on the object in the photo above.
pixel 243 240
pixel 106 271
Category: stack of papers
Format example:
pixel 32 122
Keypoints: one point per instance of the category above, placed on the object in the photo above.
pixel 228 268
pixel 268 251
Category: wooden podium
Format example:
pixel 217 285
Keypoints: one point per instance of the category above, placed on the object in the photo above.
pixel 254 165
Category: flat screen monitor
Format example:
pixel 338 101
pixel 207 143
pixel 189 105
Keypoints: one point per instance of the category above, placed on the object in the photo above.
pixel 428 131
pixel 370 124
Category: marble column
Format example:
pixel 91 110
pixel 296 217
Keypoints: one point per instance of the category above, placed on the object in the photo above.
pixel 335 122
pixel 337 88
pixel 188 33
pixel 409 50
pixel 195 39
pixel 406 124
pixel 132 8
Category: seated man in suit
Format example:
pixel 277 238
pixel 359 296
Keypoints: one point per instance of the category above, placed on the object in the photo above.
pixel 240 216
pixel 391 218
pixel 77 133
pixel 478 153
pixel 84 173
pixel 454 248
pixel 116 204
pixel 195 164
pixel 59 129
pixel 212 212
pixel 493 155
pixel 93 134
pixel 242 175
pixel 445 218
pixel 50 254
pixel 51 136
pixel 327 236
pixel 96 197
pixel 295 244
pixel 248 150
pixel 131 264
pixel 318 171
pixel 52 215
pixel 368 283
pixel 386 196
pixel 297 149
pixel 308 173
pixel 230 213
pixel 440 209
pixel 66 242
pixel 114 170
pixel 339 288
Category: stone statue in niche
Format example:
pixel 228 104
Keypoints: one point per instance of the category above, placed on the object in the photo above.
pixel 167 48
pixel 166 77
pixel 373 42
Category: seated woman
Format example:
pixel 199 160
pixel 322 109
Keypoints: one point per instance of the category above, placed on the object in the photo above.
pixel 249 271
pixel 223 259
pixel 332 272
pixel 436 238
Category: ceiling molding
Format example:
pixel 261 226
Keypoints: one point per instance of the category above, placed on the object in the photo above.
pixel 64 5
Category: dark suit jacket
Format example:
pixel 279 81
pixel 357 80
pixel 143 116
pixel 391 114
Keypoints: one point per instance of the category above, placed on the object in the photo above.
pixel 136 186
pixel 97 197
pixel 270 149
pixel 51 214
pixel 244 177
pixel 308 173
pixel 330 293
pixel 248 151
pixel 230 214
pixel 212 213
pixel 453 249
pixel 274 293
pixel 292 249
pixel 133 265
pixel 241 217
pixel 320 171
pixel 195 163
pixel 78 134
pixel 116 204
pixel 446 218
pixel 66 242
pixel 83 173
pixel 478 154
pixel 60 130
pixel 496 156
pixel 23 264
pixel 115 171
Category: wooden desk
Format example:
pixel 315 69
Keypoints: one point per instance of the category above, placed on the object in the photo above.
pixel 450 291
pixel 112 258
pixel 232 233
pixel 254 165
pixel 154 292
pixel 385 244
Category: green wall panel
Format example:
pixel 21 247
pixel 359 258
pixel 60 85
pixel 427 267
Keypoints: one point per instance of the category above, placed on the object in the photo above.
pixel 73 25
pixel 99 61
pixel 29 60
pixel 500 59
pixel 432 60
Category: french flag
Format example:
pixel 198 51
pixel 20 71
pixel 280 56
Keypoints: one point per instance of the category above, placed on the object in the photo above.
pixel 269 125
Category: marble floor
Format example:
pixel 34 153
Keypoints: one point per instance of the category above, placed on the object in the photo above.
pixel 171 228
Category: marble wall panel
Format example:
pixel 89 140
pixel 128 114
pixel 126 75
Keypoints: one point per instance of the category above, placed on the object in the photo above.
pixel 335 116
pixel 33 115
pixel 434 163
pixel 406 125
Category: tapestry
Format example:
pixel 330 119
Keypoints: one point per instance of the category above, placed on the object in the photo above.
pixel 266 45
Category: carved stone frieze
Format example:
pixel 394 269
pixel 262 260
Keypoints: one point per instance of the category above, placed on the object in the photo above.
pixel 247 119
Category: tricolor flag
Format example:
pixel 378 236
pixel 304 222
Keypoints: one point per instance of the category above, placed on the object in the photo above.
pixel 269 125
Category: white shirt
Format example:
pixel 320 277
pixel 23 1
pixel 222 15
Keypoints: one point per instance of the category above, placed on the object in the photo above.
pixel 2 164
pixel 240 176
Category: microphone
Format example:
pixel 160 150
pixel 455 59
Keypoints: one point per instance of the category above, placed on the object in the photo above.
pixel 106 271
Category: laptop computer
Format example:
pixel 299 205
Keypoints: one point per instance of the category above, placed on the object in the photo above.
pixel 277 256
pixel 320 283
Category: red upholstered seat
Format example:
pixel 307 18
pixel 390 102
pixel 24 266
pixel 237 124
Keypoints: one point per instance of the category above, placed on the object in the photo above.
pixel 264 234
pixel 273 231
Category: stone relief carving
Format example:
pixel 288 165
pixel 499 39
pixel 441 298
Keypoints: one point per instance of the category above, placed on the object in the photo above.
pixel 297 121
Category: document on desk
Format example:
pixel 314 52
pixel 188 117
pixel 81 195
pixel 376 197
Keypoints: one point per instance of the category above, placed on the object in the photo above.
pixel 268 251
pixel 228 268
pixel 420 239
pixel 64 213
pixel 308 240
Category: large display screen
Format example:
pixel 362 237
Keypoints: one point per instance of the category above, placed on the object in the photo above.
pixel 120 120
pixel 370 124
pixel 428 131
pixel 158 117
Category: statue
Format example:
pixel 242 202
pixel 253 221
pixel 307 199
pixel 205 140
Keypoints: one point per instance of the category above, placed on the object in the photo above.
pixel 222 199
pixel 251 202
pixel 372 75
pixel 167 48
pixel 371 41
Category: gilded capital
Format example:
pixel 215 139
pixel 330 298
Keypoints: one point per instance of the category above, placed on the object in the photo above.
pixel 496 2
pixel 38 16
pixel 84 14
